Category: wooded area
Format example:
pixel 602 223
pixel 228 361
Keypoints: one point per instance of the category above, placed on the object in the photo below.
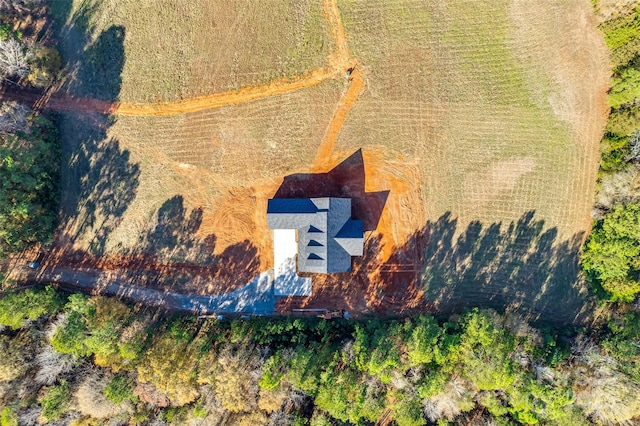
pixel 86 360
pixel 611 256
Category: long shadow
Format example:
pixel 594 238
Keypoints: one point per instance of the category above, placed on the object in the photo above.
pixel 172 256
pixel 520 267
pixel 93 63
pixel 99 180
pixel 346 180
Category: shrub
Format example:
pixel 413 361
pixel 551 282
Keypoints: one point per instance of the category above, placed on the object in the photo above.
pixel 16 307
pixel 8 417
pixel 120 389
pixel 55 401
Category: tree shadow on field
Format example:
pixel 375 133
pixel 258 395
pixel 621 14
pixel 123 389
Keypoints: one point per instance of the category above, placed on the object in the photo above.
pixel 174 257
pixel 99 180
pixel 521 267
pixel 93 62
pixel 99 184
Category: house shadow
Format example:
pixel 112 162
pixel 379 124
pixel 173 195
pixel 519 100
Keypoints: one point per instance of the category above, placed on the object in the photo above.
pixel 346 180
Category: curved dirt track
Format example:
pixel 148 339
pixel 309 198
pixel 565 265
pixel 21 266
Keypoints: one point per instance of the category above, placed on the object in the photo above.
pixel 347 101
pixel 235 97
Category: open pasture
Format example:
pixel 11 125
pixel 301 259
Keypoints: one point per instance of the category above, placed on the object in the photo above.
pixel 480 119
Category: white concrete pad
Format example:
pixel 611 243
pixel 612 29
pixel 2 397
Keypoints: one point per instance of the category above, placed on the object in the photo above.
pixel 287 282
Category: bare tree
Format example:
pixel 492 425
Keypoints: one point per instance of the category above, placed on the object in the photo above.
pixel 13 117
pixel 19 6
pixel 52 365
pixel 634 147
pixel 457 398
pixel 91 400
pixel 602 390
pixel 14 58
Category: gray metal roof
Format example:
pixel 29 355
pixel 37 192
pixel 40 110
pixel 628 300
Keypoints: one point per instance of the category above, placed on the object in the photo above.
pixel 327 236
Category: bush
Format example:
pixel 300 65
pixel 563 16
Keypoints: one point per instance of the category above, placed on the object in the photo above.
pixel 8 417
pixel 611 255
pixel 120 389
pixel 16 307
pixel 625 88
pixel 55 401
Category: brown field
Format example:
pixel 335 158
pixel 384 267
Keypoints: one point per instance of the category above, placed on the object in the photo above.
pixel 475 126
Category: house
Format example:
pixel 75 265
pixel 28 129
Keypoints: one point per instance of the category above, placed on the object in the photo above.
pixel 327 237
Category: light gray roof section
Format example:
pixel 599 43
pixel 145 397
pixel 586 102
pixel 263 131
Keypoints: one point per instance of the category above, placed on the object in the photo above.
pixel 289 220
pixel 321 203
pixel 353 246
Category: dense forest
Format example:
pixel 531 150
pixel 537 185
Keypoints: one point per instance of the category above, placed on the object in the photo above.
pixel 80 360
pixel 611 258
pixel 71 359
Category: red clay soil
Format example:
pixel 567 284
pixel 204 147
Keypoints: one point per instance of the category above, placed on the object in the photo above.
pixel 232 269
pixel 373 287
pixel 385 281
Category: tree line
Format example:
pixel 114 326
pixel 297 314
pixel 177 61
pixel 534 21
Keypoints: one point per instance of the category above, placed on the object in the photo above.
pixel 611 256
pixel 29 145
pixel 84 360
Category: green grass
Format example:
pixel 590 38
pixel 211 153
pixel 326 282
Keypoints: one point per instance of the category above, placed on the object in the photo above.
pixel 178 50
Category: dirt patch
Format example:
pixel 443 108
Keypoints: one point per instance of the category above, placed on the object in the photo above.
pixel 347 101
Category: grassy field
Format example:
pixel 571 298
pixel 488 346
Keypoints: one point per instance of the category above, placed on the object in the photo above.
pixel 175 50
pixel 474 116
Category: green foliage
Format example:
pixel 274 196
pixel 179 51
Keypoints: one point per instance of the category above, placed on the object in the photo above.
pixel 29 186
pixel 613 151
pixel 621 31
pixel 611 256
pixel 8 417
pixel 120 389
pixel 376 348
pixel 320 419
pixel 485 353
pixel 94 327
pixel 305 367
pixel 625 88
pixel 72 336
pixel 623 122
pixel 407 410
pixel 423 340
pixel 16 307
pixel 272 372
pixel 200 412
pixel 623 343
pixel 55 401
pixel 7 31
pixel 622 36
